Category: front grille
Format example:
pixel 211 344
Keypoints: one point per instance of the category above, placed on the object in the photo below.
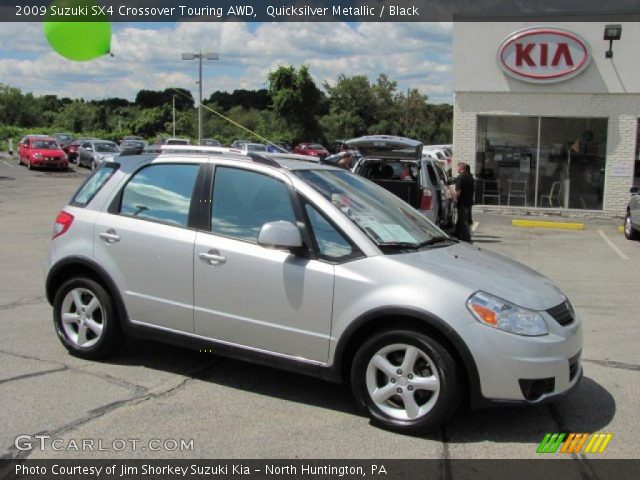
pixel 562 313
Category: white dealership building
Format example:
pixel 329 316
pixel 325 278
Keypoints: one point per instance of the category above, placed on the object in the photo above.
pixel 545 116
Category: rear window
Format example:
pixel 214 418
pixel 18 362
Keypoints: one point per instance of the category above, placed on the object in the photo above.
pixel 93 184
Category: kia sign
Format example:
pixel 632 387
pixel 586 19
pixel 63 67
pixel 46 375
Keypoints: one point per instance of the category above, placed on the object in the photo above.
pixel 543 55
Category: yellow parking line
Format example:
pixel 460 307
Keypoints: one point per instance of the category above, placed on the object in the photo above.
pixel 621 229
pixel 547 224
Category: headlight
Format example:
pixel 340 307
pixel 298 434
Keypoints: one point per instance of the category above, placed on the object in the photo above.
pixel 500 314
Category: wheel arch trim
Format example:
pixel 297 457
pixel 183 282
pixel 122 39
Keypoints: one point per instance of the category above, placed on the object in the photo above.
pixel 434 322
pixel 84 263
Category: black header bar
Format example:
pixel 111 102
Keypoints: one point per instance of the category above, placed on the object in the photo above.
pixel 316 10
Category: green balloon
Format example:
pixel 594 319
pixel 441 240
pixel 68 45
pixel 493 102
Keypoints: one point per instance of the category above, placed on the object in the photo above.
pixel 78 40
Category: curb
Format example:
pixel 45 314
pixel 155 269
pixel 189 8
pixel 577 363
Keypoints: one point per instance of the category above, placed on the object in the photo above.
pixel 547 224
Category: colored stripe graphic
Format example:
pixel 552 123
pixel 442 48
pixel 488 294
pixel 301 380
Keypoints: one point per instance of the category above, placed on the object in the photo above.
pixel 550 443
pixel 574 442
pixel 598 443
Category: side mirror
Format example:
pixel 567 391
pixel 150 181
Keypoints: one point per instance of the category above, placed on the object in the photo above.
pixel 634 190
pixel 280 235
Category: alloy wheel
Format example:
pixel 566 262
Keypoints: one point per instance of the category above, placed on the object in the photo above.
pixel 82 317
pixel 402 381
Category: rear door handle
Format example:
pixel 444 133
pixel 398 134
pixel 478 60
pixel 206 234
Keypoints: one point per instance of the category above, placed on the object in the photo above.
pixel 212 257
pixel 109 236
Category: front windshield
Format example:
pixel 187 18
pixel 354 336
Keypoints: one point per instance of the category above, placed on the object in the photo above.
pixel 256 147
pixel 386 219
pixel 46 145
pixel 315 146
pixel 106 148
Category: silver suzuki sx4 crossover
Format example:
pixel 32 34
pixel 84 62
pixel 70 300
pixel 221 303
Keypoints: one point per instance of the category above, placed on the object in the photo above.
pixel 279 260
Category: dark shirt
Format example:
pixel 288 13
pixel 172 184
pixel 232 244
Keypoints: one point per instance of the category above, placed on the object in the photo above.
pixel 465 185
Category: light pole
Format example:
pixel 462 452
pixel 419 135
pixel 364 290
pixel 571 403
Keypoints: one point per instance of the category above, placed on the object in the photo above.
pixel 173 101
pixel 200 56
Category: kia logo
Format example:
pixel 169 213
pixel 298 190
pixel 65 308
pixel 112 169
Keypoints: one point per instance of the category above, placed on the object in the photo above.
pixel 543 55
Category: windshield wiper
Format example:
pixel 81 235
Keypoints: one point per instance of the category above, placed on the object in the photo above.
pixel 399 245
pixel 438 239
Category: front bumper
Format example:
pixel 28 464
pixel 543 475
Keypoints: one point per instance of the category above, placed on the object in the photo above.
pixel 50 163
pixel 514 368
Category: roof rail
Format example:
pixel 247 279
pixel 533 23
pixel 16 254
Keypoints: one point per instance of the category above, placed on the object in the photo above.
pixel 257 157
pixel 197 149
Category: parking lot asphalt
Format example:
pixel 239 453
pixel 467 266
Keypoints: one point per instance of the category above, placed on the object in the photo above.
pixel 232 409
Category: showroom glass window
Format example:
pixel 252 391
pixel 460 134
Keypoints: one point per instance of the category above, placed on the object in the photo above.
pixel 543 162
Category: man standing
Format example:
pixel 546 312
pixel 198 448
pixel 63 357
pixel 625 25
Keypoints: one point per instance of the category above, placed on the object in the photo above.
pixel 464 201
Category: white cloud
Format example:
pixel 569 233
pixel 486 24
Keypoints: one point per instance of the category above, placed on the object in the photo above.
pixel 416 55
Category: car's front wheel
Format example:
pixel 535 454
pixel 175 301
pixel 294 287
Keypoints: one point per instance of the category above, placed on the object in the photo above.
pixel 85 319
pixel 406 380
pixel 630 232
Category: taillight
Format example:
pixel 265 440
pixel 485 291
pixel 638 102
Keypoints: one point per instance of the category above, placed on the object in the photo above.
pixel 425 203
pixel 62 223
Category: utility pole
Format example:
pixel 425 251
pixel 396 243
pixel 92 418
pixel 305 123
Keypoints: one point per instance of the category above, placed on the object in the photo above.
pixel 406 115
pixel 173 98
pixel 199 56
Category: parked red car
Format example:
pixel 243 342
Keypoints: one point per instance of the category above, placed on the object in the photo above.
pixel 39 151
pixel 313 149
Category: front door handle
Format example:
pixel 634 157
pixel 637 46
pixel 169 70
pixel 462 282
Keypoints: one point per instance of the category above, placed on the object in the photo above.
pixel 109 236
pixel 212 257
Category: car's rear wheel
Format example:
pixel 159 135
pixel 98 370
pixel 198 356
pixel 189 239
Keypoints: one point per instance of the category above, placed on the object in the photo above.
pixel 85 319
pixel 406 380
pixel 630 232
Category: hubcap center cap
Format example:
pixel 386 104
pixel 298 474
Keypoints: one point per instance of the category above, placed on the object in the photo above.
pixel 403 382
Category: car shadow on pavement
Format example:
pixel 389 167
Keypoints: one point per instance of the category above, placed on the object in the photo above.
pixel 236 374
pixel 589 408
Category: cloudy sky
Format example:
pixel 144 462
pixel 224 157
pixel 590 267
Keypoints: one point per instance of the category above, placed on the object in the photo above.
pixel 147 56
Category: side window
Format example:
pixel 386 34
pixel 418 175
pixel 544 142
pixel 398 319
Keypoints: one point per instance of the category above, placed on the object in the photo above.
pixel 243 201
pixel 331 244
pixel 93 184
pixel 160 192
pixel 86 145
pixel 432 175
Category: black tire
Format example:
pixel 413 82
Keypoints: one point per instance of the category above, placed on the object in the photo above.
pixel 111 337
pixel 448 397
pixel 629 232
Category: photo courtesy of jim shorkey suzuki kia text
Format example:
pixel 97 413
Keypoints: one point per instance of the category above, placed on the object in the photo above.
pixel 219 470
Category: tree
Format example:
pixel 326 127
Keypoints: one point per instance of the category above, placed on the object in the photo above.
pixel 150 122
pixel 256 99
pixel 358 108
pixel 297 100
